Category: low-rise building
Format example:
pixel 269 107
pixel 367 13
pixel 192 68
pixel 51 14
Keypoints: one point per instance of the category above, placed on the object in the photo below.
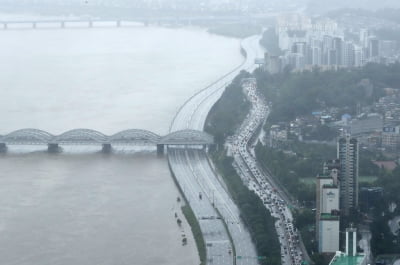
pixel 328 233
pixel 350 256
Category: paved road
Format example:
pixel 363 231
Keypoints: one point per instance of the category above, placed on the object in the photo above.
pixel 249 170
pixel 196 176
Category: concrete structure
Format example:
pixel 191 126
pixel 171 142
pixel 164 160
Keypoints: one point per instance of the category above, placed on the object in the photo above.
pixel 91 137
pixel 351 242
pixel 350 256
pixel 372 123
pixel 327 209
pixel 328 233
pixel 194 174
pixel 391 137
pixel 272 63
pixel 347 153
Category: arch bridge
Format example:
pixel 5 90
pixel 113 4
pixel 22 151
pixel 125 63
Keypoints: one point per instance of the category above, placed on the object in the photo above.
pixel 92 137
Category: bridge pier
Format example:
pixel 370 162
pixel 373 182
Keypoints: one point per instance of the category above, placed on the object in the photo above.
pixel 5 26
pixel 106 148
pixel 62 24
pixel 118 23
pixel 160 149
pixel 53 148
pixel 3 147
pixel 90 24
pixel 33 25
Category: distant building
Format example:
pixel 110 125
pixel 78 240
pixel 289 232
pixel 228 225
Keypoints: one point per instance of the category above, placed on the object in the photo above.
pixel 350 256
pixel 373 48
pixel 347 153
pixel 391 137
pixel 370 196
pixel 348 54
pixel 372 123
pixel 327 212
pixel 351 242
pixel 329 165
pixel 273 64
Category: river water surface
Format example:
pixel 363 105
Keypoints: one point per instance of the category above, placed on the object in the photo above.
pixel 82 207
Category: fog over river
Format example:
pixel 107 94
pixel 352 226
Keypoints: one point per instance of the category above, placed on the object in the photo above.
pixel 82 207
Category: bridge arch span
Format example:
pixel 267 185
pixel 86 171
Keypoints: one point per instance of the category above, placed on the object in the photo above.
pixel 27 136
pixel 134 136
pixel 81 136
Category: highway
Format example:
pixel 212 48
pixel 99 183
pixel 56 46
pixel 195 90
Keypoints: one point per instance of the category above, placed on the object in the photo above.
pixel 197 178
pixel 292 251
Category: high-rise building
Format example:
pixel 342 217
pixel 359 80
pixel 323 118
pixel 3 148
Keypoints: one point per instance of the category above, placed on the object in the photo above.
pixel 373 48
pixel 359 59
pixel 338 47
pixel 348 54
pixel 272 63
pixel 364 34
pixel 347 153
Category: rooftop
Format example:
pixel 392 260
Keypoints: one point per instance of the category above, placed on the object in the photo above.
pixel 329 186
pixel 343 259
pixel 328 216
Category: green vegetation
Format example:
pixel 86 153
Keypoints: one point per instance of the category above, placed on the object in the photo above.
pixel 228 113
pixel 270 42
pixel 293 167
pixel 296 94
pixel 304 221
pixel 256 217
pixel 367 179
pixel 320 133
pixel 237 30
pixel 198 236
pixel 225 117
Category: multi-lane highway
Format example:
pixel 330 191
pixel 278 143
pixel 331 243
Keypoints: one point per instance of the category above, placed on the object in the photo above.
pixel 207 196
pixel 258 181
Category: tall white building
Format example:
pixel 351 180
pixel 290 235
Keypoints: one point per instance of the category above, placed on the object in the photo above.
pixel 351 242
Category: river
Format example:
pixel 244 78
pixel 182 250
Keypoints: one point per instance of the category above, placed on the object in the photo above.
pixel 82 207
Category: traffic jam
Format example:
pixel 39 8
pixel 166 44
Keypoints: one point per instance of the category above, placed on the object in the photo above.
pixel 246 165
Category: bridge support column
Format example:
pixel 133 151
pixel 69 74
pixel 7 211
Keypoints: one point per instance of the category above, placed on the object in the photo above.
pixel 3 147
pixel 53 148
pixel 62 24
pixel 90 24
pixel 106 148
pixel 33 25
pixel 5 26
pixel 118 23
pixel 160 149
